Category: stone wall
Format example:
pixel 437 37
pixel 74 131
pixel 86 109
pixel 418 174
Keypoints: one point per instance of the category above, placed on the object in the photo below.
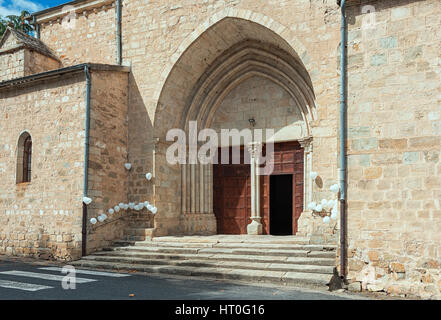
pixel 108 178
pixel 394 112
pixel 89 36
pixel 42 218
pixel 267 103
pixel 12 65
pixel 35 62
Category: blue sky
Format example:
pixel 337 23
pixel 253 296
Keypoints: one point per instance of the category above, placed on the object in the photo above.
pixel 8 7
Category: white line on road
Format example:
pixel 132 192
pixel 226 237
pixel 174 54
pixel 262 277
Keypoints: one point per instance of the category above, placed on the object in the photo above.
pixel 22 285
pixel 90 272
pixel 44 276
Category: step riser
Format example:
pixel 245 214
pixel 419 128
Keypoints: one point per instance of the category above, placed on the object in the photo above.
pixel 127 253
pixel 277 278
pixel 227 251
pixel 143 232
pixel 286 268
pixel 229 246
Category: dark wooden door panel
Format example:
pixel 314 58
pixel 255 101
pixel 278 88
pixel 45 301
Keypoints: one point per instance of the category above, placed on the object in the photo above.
pixel 231 185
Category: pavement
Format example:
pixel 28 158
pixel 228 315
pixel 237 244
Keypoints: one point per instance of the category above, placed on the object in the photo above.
pixel 28 279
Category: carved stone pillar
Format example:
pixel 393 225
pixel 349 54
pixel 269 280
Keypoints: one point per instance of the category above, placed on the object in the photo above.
pixel 255 227
pixel 306 144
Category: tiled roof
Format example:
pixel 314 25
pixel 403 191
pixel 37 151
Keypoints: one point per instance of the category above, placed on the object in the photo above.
pixel 29 42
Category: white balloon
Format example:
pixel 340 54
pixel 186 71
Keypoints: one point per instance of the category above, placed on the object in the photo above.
pixel 154 210
pixel 117 208
pixel 149 207
pixel 335 188
pixel 87 200
pixel 121 204
pixel 101 218
pixel 330 204
pixel 146 203
pixel 334 216
pixel 319 208
pixel 126 206
pixel 313 175
pixel 111 211
pixel 324 202
pixel 136 207
pixel 104 216
pixel 93 221
pixel 312 205
pixel 141 205
pixel 326 219
pixel 128 166
pixel 149 176
pixel 131 205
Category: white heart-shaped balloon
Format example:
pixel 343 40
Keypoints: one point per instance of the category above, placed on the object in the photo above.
pixel 154 210
pixel 93 221
pixel 87 200
pixel 128 166
pixel 149 176
pixel 117 208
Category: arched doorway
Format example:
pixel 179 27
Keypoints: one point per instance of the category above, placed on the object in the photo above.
pixel 235 71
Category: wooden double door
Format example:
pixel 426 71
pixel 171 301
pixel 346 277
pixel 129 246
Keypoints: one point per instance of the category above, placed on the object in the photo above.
pixel 232 193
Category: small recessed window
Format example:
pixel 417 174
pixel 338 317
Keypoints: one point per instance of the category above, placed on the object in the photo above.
pixel 24 158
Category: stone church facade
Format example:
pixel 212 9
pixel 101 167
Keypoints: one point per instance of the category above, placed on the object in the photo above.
pixel 94 93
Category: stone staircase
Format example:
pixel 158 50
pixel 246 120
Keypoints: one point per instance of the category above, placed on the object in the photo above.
pixel 289 261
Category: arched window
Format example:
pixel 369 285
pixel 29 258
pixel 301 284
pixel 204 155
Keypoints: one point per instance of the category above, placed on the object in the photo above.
pixel 24 158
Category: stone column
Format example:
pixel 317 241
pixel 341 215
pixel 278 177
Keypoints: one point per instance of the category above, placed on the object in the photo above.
pixel 306 222
pixel 255 227
pixel 306 144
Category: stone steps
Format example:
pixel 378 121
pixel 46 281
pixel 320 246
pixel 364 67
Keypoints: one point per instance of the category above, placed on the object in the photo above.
pixel 125 252
pixel 286 267
pixel 235 239
pixel 280 260
pixel 228 245
pixel 144 247
pixel 275 277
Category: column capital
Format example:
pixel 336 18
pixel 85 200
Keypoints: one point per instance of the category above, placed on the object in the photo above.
pixel 306 143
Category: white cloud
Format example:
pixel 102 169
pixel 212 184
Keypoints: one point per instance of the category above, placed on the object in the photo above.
pixel 14 7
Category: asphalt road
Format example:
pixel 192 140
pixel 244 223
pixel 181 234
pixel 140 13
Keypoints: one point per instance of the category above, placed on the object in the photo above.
pixel 31 281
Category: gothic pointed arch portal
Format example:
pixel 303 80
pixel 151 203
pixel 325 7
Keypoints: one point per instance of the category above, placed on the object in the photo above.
pixel 234 69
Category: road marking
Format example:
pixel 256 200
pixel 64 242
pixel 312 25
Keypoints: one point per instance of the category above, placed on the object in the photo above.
pixel 90 272
pixel 22 286
pixel 44 276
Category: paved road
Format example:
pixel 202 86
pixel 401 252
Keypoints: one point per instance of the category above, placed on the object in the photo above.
pixel 23 281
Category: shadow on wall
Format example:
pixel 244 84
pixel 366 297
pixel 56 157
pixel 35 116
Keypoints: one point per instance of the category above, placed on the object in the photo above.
pixel 141 145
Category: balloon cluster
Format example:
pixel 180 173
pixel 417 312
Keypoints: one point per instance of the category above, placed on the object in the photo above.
pixel 123 206
pixel 328 208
